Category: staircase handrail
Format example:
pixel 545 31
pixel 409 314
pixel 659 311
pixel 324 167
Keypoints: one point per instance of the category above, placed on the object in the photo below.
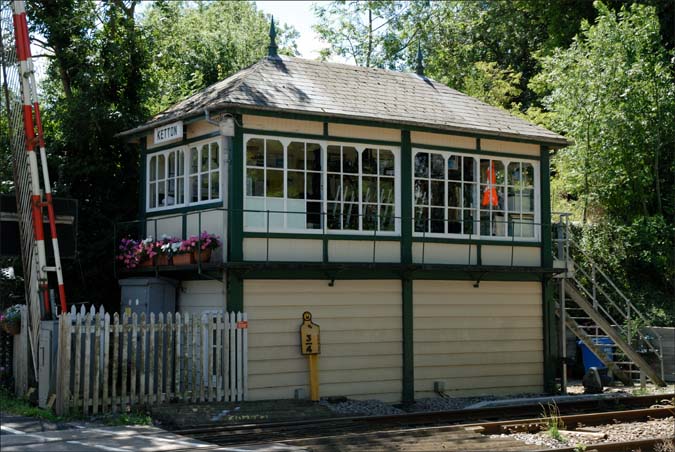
pixel 658 349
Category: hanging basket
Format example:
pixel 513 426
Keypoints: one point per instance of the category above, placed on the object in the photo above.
pixel 13 328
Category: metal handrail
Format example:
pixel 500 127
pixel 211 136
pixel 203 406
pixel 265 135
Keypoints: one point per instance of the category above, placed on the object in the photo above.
pixel 473 239
pixel 566 245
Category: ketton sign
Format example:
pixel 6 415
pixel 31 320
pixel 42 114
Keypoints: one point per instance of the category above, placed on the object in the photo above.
pixel 169 132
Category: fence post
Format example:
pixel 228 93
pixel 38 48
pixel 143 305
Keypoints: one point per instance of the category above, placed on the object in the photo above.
pixel 63 363
pixel 115 358
pixel 97 370
pixel 239 344
pixel 134 347
pixel 160 358
pixel 142 364
pixel 233 356
pixel 244 363
pixel 86 374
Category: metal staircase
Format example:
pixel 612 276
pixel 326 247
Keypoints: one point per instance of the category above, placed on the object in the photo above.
pixel 599 314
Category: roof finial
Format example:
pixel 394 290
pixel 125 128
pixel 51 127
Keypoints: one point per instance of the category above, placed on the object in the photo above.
pixel 272 48
pixel 420 64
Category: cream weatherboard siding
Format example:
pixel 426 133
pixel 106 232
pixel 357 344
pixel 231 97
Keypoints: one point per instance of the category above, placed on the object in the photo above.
pixel 198 297
pixel 478 340
pixel 360 337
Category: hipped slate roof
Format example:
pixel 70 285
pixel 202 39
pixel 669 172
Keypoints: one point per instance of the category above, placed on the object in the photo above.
pixel 338 90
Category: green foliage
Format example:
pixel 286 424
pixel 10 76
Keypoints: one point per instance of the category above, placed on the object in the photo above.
pixel 612 92
pixel 21 407
pixel 492 85
pixel 196 44
pixel 551 418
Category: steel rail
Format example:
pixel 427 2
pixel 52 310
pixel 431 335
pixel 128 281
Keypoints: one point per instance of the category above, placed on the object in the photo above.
pixel 419 419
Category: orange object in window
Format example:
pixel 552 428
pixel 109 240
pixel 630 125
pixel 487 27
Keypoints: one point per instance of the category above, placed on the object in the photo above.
pixel 490 193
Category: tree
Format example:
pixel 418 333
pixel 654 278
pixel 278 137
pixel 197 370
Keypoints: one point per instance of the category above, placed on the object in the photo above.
pixel 612 91
pixel 197 44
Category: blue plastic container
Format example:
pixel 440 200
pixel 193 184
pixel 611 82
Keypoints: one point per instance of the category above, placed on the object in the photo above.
pixel 590 360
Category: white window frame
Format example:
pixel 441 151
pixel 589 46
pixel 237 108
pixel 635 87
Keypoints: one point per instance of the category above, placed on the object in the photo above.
pixel 360 147
pixel 185 149
pixel 477 236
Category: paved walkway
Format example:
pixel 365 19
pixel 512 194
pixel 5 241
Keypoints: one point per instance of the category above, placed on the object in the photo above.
pixel 18 434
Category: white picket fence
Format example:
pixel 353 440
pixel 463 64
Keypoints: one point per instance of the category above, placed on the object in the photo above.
pixel 107 364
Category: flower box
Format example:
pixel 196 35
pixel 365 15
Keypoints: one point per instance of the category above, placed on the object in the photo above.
pixel 203 257
pixel 12 328
pixel 183 259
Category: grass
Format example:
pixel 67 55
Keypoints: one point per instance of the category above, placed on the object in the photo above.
pixel 641 391
pixel 551 419
pixel 22 407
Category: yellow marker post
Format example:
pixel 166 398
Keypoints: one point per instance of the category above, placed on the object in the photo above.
pixel 310 345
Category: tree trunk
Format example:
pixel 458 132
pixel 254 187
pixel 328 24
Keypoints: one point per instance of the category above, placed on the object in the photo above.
pixel 370 35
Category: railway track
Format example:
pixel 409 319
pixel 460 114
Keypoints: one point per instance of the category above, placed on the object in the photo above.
pixel 415 431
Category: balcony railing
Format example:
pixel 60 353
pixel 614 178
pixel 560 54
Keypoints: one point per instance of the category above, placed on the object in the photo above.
pixel 273 225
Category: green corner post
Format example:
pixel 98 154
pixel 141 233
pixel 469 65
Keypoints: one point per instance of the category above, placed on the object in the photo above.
pixel 142 186
pixel 548 301
pixel 235 284
pixel 408 393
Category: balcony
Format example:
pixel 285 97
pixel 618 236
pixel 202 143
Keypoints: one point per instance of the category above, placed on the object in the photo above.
pixel 510 246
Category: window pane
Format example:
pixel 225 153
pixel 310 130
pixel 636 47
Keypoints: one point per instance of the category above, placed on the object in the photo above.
pixel 489 197
pixel 180 190
pixel 350 160
pixel 528 175
pixel 205 158
pixel 172 164
pixel 369 161
pixel 422 164
pixel 370 219
pixel 215 185
pixel 485 226
pixel 296 184
pixel 437 166
pixel 255 182
pixel 254 152
pixel 421 192
pixel 204 191
pixel 313 215
pixel 171 194
pixel 153 168
pixel 153 195
pixel 387 190
pixel 454 168
pixel 194 189
pixel 334 215
pixel 296 155
pixel 438 220
pixel 499 171
pixel 513 203
pixel 350 216
pixel 161 168
pixel 181 163
pixel 161 194
pixel 369 189
pixel 454 194
pixel 194 160
pixel 469 219
pixel 313 185
pixel 334 159
pixel 528 200
pixel 334 187
pixel 215 163
pixel 499 224
pixel 468 165
pixel 454 221
pixel 421 219
pixel 350 187
pixel 275 184
pixel 387 218
pixel 275 154
pixel 514 176
pixel 313 157
pixel 470 195
pixel 437 193
pixel 386 163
